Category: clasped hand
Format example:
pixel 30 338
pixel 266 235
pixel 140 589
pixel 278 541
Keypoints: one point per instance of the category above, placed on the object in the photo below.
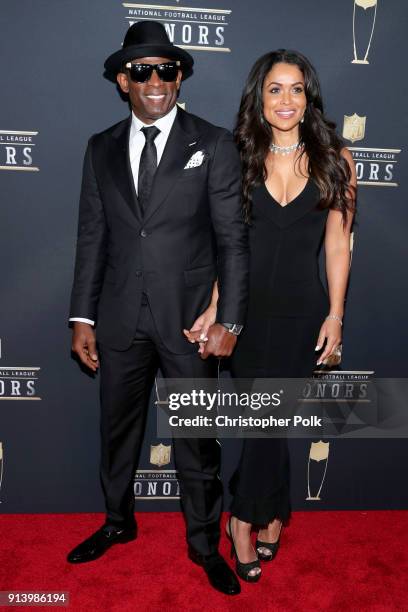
pixel 213 338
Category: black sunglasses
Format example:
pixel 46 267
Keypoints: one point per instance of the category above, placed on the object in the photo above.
pixel 140 73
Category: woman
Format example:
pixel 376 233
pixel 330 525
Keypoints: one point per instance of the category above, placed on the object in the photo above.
pixel 298 191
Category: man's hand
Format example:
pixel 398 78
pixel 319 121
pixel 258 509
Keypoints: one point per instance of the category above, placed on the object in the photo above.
pixel 84 345
pixel 220 342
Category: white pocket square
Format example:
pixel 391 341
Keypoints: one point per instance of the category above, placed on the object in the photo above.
pixel 195 160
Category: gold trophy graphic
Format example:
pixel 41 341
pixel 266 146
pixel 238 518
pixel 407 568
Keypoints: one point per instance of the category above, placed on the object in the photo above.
pixel 363 4
pixel 160 454
pixel 319 451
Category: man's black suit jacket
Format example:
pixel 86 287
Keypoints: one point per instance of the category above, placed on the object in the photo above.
pixel 192 233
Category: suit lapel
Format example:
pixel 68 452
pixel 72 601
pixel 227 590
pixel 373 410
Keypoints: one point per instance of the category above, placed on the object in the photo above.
pixel 119 163
pixel 175 156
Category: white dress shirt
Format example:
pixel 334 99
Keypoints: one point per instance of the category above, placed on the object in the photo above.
pixel 137 139
pixel 136 143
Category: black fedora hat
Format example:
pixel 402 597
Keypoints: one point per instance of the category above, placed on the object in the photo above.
pixel 147 39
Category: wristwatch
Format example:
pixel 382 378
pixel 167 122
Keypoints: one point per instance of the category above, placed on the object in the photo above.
pixel 233 328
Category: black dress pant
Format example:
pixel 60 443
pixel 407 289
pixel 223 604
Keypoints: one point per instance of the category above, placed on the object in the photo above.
pixel 127 378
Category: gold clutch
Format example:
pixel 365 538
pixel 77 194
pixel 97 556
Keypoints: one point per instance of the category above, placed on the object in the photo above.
pixel 334 359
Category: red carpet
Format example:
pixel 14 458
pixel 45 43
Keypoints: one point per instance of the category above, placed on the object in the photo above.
pixel 328 561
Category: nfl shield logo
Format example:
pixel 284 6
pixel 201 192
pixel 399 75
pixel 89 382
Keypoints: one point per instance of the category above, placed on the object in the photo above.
pixel 354 127
pixel 160 454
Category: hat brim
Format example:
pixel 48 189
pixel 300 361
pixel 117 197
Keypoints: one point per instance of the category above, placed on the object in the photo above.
pixel 115 62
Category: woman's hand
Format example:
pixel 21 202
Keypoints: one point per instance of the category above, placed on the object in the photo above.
pixel 199 330
pixel 331 332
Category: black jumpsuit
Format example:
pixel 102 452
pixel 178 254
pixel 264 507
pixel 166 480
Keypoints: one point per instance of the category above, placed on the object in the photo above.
pixel 287 306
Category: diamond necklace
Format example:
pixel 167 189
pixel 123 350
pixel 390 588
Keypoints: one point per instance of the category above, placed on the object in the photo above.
pixel 283 150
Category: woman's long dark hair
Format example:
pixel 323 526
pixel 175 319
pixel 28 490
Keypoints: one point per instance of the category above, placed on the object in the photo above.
pixel 253 135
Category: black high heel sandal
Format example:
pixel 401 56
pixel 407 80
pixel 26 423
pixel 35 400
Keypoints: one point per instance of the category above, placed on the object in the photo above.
pixel 272 546
pixel 243 569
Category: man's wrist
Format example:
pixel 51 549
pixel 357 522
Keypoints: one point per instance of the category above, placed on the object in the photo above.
pixel 233 328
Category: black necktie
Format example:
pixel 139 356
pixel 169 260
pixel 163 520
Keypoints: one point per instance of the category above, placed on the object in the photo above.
pixel 147 166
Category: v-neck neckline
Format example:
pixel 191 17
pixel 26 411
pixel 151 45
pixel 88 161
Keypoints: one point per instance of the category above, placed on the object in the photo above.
pixel 283 206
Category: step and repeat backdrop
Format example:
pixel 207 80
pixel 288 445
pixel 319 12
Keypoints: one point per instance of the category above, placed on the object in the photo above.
pixel 54 97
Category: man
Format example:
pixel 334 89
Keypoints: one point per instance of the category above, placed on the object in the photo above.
pixel 160 220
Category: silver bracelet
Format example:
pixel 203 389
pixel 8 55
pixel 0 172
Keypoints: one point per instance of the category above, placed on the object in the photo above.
pixel 336 318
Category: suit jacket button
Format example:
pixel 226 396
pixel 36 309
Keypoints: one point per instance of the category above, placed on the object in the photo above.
pixel 143 233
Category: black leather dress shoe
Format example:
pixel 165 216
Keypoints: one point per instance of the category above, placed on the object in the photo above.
pixel 219 573
pixel 95 546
